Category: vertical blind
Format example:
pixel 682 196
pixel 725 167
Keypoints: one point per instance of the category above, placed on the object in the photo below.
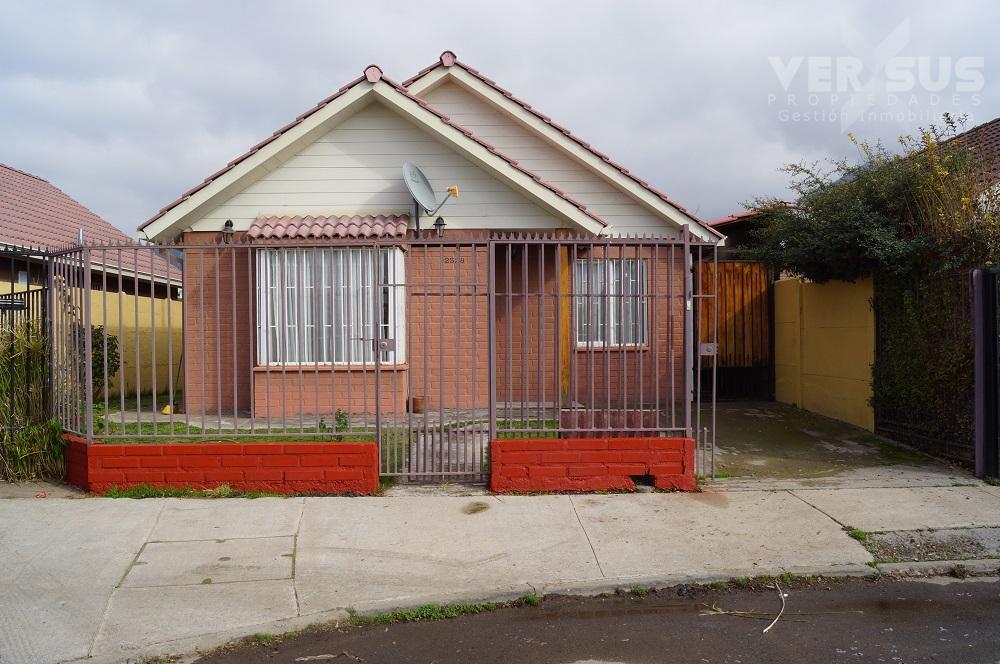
pixel 611 302
pixel 327 306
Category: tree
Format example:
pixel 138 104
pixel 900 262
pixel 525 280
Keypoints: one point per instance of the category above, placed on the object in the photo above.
pixel 932 207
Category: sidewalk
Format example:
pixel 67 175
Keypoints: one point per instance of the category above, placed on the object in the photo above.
pixel 113 579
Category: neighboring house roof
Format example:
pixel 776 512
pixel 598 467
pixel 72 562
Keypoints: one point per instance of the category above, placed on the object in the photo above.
pixel 35 213
pixel 373 82
pixel 732 218
pixel 449 64
pixel 986 140
pixel 345 226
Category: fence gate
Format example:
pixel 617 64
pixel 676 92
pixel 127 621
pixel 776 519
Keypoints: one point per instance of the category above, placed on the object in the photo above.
pixel 432 375
pixel 745 332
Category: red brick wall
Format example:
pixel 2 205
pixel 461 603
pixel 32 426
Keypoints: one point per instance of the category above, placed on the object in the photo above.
pixel 323 391
pixel 636 376
pixel 527 338
pixel 582 464
pixel 527 286
pixel 217 303
pixel 275 467
pixel 448 325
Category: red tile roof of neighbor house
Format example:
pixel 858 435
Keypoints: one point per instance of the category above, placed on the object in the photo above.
pixel 345 226
pixel 449 59
pixel 36 213
pixel 373 74
pixel 986 140
pixel 730 218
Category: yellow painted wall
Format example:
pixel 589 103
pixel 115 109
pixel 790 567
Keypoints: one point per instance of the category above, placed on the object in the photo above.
pixel 824 341
pixel 104 311
pixel 152 331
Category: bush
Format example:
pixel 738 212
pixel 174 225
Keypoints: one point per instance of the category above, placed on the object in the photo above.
pixel 31 446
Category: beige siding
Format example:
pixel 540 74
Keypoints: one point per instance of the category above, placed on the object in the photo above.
pixel 619 209
pixel 355 169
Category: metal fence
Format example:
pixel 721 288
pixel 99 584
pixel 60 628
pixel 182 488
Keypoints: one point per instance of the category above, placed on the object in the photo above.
pixel 923 376
pixel 432 347
pixel 23 372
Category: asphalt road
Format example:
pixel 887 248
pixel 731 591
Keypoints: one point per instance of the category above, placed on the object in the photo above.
pixel 943 620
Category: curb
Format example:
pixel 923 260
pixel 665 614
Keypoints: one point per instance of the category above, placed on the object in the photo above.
pixel 191 648
pixel 978 566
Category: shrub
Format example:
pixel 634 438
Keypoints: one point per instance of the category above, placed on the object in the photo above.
pixel 31 446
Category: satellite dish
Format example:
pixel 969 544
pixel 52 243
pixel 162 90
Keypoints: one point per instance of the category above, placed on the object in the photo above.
pixel 419 188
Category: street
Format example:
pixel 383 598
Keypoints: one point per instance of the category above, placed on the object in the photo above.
pixel 880 620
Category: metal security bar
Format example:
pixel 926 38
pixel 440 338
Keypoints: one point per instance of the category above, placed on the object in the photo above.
pixel 432 347
pixel 24 376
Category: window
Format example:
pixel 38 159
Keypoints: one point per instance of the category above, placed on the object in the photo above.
pixel 611 302
pixel 327 306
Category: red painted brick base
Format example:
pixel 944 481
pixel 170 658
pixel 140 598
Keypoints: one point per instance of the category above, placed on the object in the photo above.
pixel 274 467
pixel 587 464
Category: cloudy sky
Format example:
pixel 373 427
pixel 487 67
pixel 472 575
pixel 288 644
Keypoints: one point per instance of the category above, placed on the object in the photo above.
pixel 126 104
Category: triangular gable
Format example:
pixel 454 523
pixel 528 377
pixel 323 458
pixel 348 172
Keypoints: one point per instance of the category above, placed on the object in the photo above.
pixel 289 140
pixel 450 69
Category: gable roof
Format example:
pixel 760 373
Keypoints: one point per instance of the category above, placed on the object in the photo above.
pixel 448 64
pixel 355 93
pixel 35 213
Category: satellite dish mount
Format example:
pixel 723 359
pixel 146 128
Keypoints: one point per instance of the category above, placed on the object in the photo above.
pixel 422 193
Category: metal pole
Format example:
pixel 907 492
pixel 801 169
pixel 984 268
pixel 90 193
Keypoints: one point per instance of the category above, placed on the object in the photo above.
pixel 688 330
pixel 492 335
pixel 88 346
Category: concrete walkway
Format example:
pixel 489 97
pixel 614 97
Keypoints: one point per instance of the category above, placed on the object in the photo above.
pixel 115 579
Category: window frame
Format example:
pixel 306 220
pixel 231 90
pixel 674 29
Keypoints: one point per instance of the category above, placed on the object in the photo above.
pixel 612 292
pixel 347 297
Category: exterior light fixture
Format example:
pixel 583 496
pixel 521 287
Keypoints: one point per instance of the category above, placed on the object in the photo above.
pixel 227 231
pixel 439 226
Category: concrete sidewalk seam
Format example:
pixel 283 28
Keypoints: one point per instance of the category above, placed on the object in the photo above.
pixel 587 535
pixel 826 514
pixel 128 568
pixel 295 555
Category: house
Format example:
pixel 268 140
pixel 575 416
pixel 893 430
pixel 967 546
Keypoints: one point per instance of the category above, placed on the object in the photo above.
pixel 36 218
pixel 312 285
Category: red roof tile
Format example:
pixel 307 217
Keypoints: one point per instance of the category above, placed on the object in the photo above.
pixel 985 139
pixel 368 226
pixel 35 213
pixel 730 218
